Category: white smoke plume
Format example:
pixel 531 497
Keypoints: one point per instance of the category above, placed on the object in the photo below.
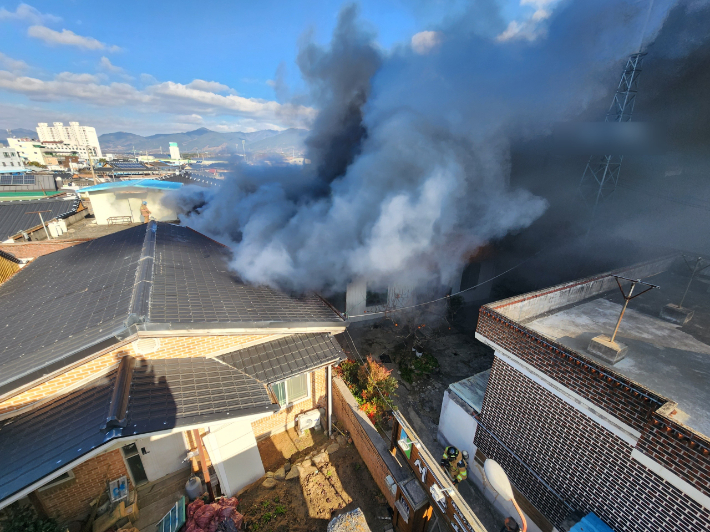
pixel 410 151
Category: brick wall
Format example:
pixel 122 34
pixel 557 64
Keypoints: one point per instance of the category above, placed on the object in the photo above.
pixel 70 500
pixel 287 416
pixel 179 347
pixel 679 448
pixel 587 465
pixel 620 396
pixel 32 250
pixel 363 432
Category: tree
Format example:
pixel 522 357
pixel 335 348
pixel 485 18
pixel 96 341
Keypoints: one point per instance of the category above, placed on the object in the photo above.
pixel 35 163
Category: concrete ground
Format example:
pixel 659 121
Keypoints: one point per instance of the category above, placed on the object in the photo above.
pixel 459 356
pixel 156 498
pixel 660 355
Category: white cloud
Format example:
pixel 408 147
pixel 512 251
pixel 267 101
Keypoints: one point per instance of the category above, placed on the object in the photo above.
pixel 77 78
pixel 27 13
pixel 148 79
pixel 13 65
pixel 166 97
pixel 106 65
pixel 531 27
pixel 207 86
pixel 190 119
pixel 425 42
pixel 67 38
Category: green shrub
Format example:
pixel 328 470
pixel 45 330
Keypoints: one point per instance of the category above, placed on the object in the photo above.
pixel 24 519
pixel 372 386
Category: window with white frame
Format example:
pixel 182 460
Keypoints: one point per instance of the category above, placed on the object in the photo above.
pixel 291 390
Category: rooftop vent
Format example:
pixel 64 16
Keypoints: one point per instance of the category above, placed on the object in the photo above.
pixel 145 346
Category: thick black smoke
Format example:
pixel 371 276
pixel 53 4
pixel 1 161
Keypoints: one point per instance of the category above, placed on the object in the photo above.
pixel 411 158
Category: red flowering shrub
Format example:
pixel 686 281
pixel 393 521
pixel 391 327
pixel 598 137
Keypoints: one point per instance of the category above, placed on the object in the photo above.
pixel 372 386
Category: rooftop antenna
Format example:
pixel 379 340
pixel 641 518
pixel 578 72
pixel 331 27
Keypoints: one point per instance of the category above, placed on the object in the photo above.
pixel 676 313
pixel 605 347
pixel 601 175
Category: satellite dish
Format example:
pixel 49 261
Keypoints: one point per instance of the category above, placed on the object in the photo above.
pixel 498 479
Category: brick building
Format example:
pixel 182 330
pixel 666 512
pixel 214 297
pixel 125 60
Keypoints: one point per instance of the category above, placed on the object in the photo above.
pixel 576 434
pixel 122 346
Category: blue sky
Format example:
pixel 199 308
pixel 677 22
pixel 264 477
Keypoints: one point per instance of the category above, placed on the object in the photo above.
pixel 149 67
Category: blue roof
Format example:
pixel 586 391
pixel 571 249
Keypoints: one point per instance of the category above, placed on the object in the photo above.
pixel 137 183
pixel 11 170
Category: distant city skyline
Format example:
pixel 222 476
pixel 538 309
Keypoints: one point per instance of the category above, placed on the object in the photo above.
pixel 163 67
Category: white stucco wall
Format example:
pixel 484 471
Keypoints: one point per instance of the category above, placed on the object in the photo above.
pixel 234 454
pixel 127 202
pixel 456 426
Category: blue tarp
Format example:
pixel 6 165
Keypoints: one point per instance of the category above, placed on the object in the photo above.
pixel 135 183
pixel 591 523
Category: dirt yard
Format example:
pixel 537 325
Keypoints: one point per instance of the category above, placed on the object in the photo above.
pixel 449 354
pixel 312 479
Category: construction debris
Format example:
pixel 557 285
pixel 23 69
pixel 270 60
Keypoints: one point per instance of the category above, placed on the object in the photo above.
pixel 203 517
pixel 353 521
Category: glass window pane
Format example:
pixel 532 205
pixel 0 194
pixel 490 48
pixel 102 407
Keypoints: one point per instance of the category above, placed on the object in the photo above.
pixel 297 388
pixel 279 390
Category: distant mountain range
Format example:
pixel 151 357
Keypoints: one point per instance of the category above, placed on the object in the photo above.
pixel 205 140
pixel 17 133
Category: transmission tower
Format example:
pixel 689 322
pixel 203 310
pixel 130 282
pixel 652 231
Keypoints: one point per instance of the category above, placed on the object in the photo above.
pixel 602 173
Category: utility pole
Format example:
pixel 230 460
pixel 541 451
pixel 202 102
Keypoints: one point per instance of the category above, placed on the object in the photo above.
pixel 42 220
pixel 91 163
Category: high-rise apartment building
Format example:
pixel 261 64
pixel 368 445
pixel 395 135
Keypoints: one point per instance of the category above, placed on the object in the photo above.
pixel 174 151
pixel 73 134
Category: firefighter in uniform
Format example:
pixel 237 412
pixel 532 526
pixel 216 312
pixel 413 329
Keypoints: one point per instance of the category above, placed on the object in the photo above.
pixel 455 463
pixel 145 213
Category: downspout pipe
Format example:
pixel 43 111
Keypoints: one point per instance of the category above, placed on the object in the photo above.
pixel 329 378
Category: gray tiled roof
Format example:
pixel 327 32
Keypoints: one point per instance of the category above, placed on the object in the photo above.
pixel 164 394
pixel 189 389
pixel 14 215
pixel 66 301
pixel 192 283
pixel 279 359
pixel 39 442
pixel 68 304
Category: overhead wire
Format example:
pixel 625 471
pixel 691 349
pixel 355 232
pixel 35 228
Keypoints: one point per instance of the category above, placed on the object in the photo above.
pixel 448 296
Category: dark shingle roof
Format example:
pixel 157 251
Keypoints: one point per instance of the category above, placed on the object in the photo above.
pixel 192 283
pixel 14 216
pixel 64 306
pixel 39 442
pixel 164 394
pixel 279 359
pixel 66 301
pixel 188 390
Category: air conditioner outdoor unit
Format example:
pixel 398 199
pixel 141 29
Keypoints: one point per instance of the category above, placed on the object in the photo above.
pixel 308 420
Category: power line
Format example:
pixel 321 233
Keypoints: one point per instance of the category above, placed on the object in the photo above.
pixel 667 198
pixel 450 295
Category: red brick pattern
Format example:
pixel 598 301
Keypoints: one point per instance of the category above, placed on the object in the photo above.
pixel 32 250
pixel 687 452
pixel 622 401
pixel 287 416
pixel 587 465
pixel 367 450
pixel 71 499
pixel 669 445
